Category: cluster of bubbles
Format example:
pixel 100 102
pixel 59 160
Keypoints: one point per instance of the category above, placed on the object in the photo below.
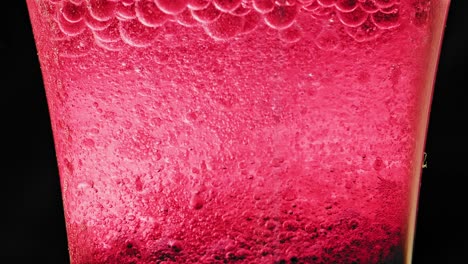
pixel 115 23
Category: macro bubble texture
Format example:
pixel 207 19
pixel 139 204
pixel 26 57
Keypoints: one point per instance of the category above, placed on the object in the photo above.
pixel 363 20
pixel 236 131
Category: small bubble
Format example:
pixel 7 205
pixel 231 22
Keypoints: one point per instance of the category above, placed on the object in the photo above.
pixel 196 202
pixel 225 27
pixel 365 32
pixel 369 6
pixel 72 12
pixel 175 245
pixel 136 34
pixel 277 162
pixel 101 10
pixel 378 164
pixel 172 7
pixel 263 6
pixel 327 3
pixel 88 143
pixel 291 225
pixel 149 14
pixel 71 28
pixel 186 19
pixel 385 3
pixel 281 17
pixel 95 24
pixel 291 34
pixel 353 19
pixel 270 225
pixel 346 5
pixel 198 4
pixel 109 34
pixel 251 21
pixel 353 224
pixel 227 5
pixel 327 40
pixel 311 7
pixel 125 12
pixel 310 228
pixel 386 21
pixel 206 15
pixel 241 11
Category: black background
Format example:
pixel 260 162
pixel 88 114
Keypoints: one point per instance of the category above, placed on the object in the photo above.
pixel 32 228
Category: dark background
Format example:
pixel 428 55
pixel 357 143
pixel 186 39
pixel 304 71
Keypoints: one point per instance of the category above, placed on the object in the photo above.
pixel 32 228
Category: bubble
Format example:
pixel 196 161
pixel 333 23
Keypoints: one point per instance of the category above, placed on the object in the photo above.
pixel 291 225
pixel 175 245
pixel 186 19
pixel 289 194
pixel 291 34
pixel 327 40
pixel 310 228
pixel 207 15
pixel 110 33
pixel 323 12
pixel 270 225
pixel 378 164
pixel 96 24
pixel 196 201
pixel 285 236
pixel 281 17
pixel 311 7
pixel 369 6
pixel 101 9
pixel 198 4
pixel 136 34
pixel 241 11
pixel 385 3
pixel 125 12
pixel 353 224
pixel 72 12
pixel 69 28
pixel 88 143
pixel 76 46
pixel 126 2
pixel 56 32
pixel 277 162
pixel 251 21
pixel 171 7
pixel 353 19
pixel 263 6
pixel 386 21
pixel 346 5
pixel 365 32
pixel 326 3
pixel 242 254
pixel 149 14
pixel 227 5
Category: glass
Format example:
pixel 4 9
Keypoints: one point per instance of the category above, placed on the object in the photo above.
pixel 246 131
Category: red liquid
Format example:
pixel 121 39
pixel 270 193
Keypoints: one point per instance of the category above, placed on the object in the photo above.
pixel 199 131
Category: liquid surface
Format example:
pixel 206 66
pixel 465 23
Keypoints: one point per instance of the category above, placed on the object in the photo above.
pixel 235 131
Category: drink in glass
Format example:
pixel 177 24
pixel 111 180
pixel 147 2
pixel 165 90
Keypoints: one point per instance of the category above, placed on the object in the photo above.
pixel 239 131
